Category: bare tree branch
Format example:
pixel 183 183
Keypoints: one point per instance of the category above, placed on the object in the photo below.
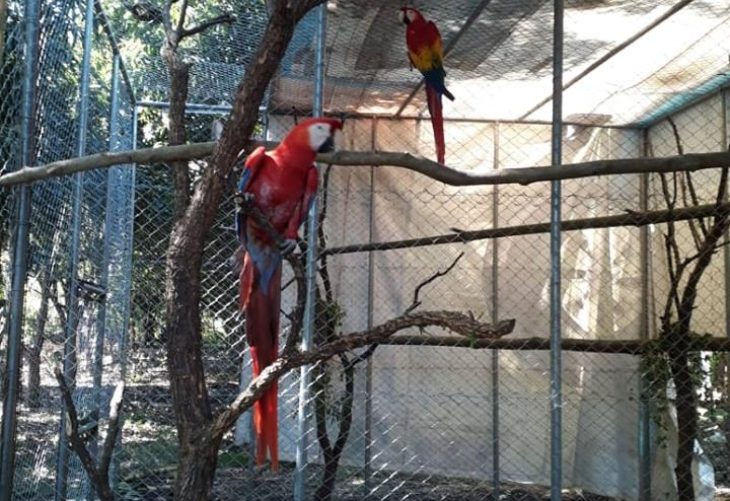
pixel 452 320
pixel 222 19
pixel 416 302
pixel 115 407
pixel 99 475
pixel 143 156
pixel 181 19
pixel 626 346
pixel 631 218
pixel 166 20
pixel 429 168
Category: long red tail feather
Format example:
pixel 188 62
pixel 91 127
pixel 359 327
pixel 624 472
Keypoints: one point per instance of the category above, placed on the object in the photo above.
pixel 435 109
pixel 262 333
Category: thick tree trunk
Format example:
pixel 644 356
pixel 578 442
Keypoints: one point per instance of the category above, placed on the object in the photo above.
pixel 686 421
pixel 197 461
pixel 196 469
pixel 184 361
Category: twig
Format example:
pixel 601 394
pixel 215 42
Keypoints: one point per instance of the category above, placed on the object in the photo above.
pixel 689 185
pixel 416 303
pixel 323 269
pixel 222 19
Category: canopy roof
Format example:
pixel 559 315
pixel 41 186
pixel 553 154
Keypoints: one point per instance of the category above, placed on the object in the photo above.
pixel 626 62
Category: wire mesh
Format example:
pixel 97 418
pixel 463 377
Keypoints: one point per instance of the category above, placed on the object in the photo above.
pixel 427 414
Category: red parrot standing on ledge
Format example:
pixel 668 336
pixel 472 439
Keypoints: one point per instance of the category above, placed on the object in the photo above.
pixel 426 53
pixel 282 183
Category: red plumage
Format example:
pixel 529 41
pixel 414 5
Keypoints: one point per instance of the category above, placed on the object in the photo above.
pixel 426 52
pixel 436 110
pixel 282 183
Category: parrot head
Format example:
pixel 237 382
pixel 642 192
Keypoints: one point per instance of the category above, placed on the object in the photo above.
pixel 314 134
pixel 407 15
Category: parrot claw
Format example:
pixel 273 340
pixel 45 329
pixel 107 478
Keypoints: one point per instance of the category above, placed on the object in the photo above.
pixel 242 198
pixel 287 246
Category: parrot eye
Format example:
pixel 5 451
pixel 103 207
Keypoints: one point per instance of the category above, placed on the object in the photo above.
pixel 319 134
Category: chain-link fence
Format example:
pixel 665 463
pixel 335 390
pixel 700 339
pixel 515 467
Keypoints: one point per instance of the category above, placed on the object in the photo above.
pixel 426 413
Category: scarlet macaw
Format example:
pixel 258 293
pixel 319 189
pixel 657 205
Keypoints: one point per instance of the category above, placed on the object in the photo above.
pixel 426 53
pixel 283 183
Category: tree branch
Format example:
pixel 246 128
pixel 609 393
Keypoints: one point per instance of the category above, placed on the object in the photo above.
pixel 144 156
pixel 181 19
pixel 631 218
pixel 429 168
pixel 452 320
pixel 222 19
pixel 613 346
pixel 99 476
pixel 115 407
pixel 166 20
pixel 416 302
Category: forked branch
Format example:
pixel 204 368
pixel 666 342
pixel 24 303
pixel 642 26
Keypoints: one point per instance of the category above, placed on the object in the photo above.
pixel 98 472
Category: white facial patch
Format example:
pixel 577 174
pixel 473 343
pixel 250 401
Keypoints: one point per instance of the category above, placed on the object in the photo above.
pixel 407 13
pixel 318 134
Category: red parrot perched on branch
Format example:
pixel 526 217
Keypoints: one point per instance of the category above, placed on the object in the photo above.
pixel 426 53
pixel 282 184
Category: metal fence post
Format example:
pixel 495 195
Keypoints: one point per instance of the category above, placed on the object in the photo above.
pixel 98 367
pixel 127 293
pixel 72 300
pixel 311 272
pixel 644 432
pixel 495 318
pixel 20 256
pixel 368 459
pixel 555 290
pixel 725 249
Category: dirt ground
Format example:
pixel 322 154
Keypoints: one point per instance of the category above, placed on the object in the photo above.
pixel 148 454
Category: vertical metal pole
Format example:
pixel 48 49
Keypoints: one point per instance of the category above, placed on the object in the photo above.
pixel 644 433
pixel 127 293
pixel 72 301
pixel 725 249
pixel 495 318
pixel 128 258
pixel 555 291
pixel 20 256
pixel 311 271
pixel 109 218
pixel 367 472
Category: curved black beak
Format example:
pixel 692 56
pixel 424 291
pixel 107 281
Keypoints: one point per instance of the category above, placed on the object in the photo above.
pixel 327 146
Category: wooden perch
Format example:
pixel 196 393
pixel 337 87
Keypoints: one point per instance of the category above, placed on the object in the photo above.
pixel 631 218
pixel 98 473
pixel 455 321
pixel 108 159
pixel 613 346
pixel 429 168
